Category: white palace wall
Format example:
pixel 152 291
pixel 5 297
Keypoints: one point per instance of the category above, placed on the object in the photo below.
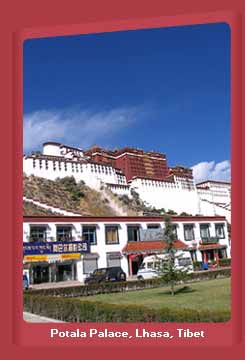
pixel 180 195
pixel 167 195
pixel 91 174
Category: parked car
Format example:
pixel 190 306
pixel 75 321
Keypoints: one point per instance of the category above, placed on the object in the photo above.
pixel 114 273
pixel 150 265
pixel 25 282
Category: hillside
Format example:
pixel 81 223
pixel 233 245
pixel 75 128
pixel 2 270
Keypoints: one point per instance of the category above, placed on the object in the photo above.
pixel 66 197
pixel 64 194
pixel 34 210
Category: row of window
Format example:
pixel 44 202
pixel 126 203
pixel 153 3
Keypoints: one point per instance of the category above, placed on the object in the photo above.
pixel 57 165
pixel 101 168
pixel 89 233
pixel 89 265
pixel 158 183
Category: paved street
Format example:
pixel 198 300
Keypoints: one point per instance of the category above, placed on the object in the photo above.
pixel 62 284
pixel 53 285
pixel 38 319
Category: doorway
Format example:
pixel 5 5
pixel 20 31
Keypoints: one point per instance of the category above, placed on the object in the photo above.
pixel 40 274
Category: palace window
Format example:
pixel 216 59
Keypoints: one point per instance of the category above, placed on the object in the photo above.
pixel 89 234
pixel 64 233
pixel 111 234
pixel 38 233
pixel 204 231
pixel 219 231
pixel 189 232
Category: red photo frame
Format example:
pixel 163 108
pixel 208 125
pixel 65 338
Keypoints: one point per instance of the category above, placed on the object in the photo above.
pixel 45 19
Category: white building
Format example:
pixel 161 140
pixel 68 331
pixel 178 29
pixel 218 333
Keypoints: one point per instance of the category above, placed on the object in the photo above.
pixel 176 190
pixel 215 198
pixel 59 161
pixel 53 246
pixel 168 195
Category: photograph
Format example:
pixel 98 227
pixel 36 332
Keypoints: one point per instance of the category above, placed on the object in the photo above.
pixel 127 176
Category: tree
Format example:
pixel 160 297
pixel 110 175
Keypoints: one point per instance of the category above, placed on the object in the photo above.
pixel 171 212
pixel 71 187
pixel 167 264
pixel 184 214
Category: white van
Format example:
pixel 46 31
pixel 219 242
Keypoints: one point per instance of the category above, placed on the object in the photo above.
pixel 149 267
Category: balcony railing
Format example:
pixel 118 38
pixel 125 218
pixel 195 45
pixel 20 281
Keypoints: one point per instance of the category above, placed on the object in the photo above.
pixel 209 240
pixel 52 238
pixel 152 234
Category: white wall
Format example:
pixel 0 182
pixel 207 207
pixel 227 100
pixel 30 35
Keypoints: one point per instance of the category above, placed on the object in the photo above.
pixel 210 209
pixel 91 174
pixel 180 195
pixel 167 195
pixel 51 149
pixel 120 189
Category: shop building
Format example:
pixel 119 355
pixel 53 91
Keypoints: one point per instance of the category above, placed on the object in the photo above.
pixel 69 248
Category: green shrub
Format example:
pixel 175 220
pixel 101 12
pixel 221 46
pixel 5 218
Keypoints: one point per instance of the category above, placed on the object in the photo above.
pixel 114 287
pixel 225 262
pixel 75 310
pixel 197 265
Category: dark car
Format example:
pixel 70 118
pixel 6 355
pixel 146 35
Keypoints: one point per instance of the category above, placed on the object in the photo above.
pixel 114 273
pixel 25 282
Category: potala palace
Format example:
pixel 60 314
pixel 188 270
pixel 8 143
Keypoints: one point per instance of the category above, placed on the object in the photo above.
pixel 53 246
pixel 123 170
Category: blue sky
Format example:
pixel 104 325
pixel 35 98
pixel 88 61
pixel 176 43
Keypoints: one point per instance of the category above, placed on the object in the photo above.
pixel 160 89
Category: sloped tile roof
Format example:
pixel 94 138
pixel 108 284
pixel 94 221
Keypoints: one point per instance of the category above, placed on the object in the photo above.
pixel 149 246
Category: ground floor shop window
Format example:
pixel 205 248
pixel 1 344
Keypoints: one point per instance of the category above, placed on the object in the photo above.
pixel 208 255
pixel 66 272
pixel 42 273
pixel 90 264
pixel 39 274
pixel 113 259
pixel 222 253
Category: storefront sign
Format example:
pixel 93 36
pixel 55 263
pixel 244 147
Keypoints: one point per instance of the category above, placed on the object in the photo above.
pixel 56 247
pixel 51 258
pixel 31 258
